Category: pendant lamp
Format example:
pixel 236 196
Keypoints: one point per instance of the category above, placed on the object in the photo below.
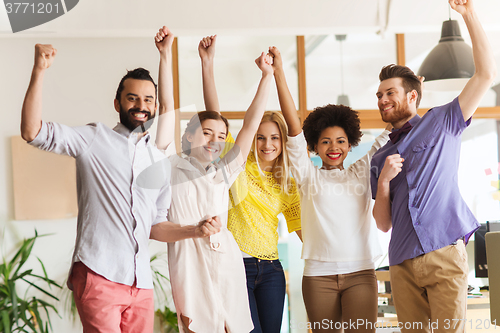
pixel 342 98
pixel 451 60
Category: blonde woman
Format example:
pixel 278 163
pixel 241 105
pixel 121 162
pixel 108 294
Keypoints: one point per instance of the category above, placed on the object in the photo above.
pixel 257 197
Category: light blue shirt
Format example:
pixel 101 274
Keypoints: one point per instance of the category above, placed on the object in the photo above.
pixel 123 186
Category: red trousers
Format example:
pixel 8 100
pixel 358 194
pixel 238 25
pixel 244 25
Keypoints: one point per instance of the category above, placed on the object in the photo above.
pixel 110 307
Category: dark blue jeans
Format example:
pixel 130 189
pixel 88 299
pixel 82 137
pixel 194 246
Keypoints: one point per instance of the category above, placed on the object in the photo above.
pixel 266 293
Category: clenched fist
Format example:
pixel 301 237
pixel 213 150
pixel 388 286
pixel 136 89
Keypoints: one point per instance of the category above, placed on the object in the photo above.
pixel 164 39
pixel 275 55
pixel 392 167
pixel 206 48
pixel 44 56
pixel 208 227
pixel 265 63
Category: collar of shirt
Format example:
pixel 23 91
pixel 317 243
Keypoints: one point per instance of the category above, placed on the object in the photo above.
pixel 191 163
pixel 415 120
pixel 396 133
pixel 130 135
pixel 412 122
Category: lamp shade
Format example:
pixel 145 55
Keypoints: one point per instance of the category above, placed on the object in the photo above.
pixel 451 58
pixel 343 99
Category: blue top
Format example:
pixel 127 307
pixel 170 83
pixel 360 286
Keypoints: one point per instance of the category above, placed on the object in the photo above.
pixel 428 212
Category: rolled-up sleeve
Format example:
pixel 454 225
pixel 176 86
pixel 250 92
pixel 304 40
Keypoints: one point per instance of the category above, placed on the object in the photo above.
pixel 64 140
pixel 163 203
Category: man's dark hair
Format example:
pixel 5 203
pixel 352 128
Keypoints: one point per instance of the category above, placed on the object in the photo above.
pixel 410 80
pixel 137 74
pixel 328 116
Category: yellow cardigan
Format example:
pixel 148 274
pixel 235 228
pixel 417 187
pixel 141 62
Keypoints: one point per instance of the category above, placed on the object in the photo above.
pixel 255 202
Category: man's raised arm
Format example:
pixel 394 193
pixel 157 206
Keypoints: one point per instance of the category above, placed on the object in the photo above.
pixel 166 116
pixel 31 116
pixel 484 60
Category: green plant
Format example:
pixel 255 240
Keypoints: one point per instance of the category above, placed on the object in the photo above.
pixel 168 319
pixel 161 283
pixel 18 314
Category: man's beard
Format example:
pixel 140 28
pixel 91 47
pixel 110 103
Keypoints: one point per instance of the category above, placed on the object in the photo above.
pixel 400 112
pixel 127 120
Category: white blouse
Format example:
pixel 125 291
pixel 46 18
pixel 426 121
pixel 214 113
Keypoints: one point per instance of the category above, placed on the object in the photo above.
pixel 337 229
pixel 207 274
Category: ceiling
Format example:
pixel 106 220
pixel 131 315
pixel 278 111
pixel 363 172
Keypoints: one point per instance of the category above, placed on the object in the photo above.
pixel 370 26
pixel 94 18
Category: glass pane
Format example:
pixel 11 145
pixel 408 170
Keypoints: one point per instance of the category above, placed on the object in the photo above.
pixel 236 74
pixel 363 56
pixel 478 172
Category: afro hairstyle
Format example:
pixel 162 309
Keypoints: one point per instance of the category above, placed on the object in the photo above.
pixel 329 116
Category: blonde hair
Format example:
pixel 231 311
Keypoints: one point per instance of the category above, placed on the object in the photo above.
pixel 281 166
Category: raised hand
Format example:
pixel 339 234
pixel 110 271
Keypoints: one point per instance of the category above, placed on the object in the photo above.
pixel 164 39
pixel 209 227
pixel 275 54
pixel 462 6
pixel 265 63
pixel 44 56
pixel 206 48
pixel 392 167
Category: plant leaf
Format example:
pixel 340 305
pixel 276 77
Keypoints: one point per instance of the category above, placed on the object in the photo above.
pixel 5 322
pixel 28 272
pixel 13 299
pixel 49 281
pixel 46 278
pixel 41 289
pixel 36 314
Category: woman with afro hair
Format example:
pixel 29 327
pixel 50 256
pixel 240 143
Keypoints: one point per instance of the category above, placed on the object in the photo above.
pixel 340 241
